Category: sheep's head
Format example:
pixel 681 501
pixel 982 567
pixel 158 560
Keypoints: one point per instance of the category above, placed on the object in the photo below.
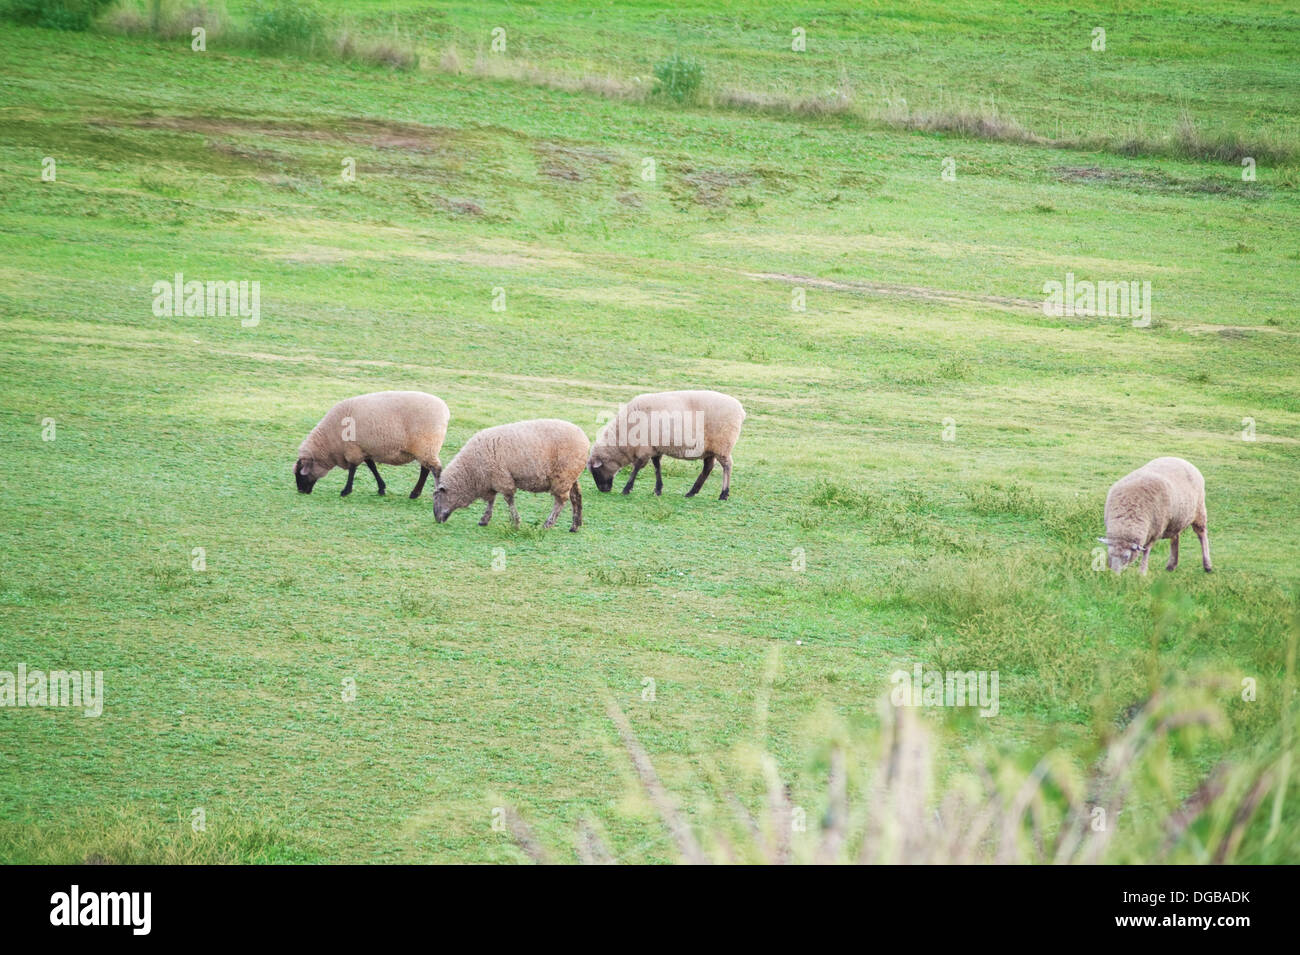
pixel 307 471
pixel 1121 551
pixel 602 472
pixel 445 500
pixel 605 464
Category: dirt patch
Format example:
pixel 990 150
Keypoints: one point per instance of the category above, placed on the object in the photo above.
pixel 248 154
pixel 563 173
pixel 905 291
pixel 1149 181
pixel 564 162
pixel 710 187
pixel 461 207
pixel 1237 331
pixel 377 134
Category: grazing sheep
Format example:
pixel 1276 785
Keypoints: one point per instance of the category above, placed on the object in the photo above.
pixel 387 427
pixel 1160 499
pixel 545 455
pixel 689 425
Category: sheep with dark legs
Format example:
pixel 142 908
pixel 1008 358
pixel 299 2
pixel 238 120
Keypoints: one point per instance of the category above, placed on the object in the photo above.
pixel 386 427
pixel 690 425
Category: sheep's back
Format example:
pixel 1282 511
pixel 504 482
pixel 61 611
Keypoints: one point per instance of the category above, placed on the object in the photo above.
pixel 1166 493
pixel 538 455
pixel 720 414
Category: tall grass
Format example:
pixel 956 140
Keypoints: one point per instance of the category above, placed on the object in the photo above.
pixel 121 836
pixel 54 14
pixel 901 794
pixel 303 28
pixel 271 26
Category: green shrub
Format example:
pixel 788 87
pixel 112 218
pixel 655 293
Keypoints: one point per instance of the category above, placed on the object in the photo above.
pixel 55 14
pixel 286 25
pixel 679 77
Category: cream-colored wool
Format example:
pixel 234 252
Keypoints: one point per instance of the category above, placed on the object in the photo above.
pixel 689 425
pixel 1160 499
pixel 387 427
pixel 542 456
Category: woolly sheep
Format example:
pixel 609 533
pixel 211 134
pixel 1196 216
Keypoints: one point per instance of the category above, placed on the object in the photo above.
pixel 1160 499
pixel 543 456
pixel 387 427
pixel 689 425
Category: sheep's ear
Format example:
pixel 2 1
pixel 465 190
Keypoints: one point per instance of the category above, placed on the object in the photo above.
pixel 595 463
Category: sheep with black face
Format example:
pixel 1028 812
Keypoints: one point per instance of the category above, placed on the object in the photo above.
pixel 386 427
pixel 690 425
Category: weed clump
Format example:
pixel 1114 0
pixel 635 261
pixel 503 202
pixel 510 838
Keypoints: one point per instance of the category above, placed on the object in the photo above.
pixel 678 77
pixel 73 15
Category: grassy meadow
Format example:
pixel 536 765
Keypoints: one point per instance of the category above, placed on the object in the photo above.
pixel 920 478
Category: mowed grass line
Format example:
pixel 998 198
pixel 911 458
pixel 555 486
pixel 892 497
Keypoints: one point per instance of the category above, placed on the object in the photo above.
pixel 478 688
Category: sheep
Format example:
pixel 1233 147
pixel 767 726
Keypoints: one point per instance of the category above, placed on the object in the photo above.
pixel 1158 500
pixel 387 427
pixel 545 455
pixel 689 425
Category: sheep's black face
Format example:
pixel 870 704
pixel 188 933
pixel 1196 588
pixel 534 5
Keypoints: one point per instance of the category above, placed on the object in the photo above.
pixel 602 472
pixel 441 505
pixel 306 472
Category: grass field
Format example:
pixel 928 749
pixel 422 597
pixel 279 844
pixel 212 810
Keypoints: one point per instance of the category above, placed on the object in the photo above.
pixel 920 479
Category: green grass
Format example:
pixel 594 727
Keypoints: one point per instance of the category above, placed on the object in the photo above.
pixel 480 688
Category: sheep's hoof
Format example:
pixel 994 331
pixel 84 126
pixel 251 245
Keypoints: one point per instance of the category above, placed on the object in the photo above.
pixel 345 492
pixel 573 530
pixel 724 495
pixel 381 492
pixel 1209 570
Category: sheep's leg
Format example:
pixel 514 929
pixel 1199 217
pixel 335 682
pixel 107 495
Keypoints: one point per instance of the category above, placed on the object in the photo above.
pixel 437 470
pixel 636 469
pixel 347 488
pixel 704 475
pixel 375 471
pixel 575 499
pixel 1173 553
pixel 555 511
pixel 514 514
pixel 419 485
pixel 1146 554
pixel 1203 534
pixel 487 514
pixel 659 476
pixel 726 477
